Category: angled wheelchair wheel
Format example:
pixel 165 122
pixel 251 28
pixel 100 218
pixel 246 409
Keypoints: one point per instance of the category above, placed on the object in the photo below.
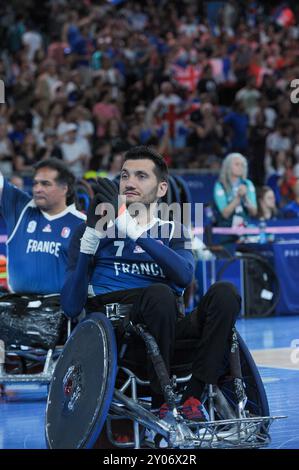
pixel 257 403
pixel 82 386
pixel 257 398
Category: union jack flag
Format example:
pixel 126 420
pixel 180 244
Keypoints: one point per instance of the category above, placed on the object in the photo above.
pixel 187 76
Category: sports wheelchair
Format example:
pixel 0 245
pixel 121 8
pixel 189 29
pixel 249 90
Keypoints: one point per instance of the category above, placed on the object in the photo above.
pixel 96 391
pixel 32 330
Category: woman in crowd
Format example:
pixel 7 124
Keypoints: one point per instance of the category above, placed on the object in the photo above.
pixel 234 193
pixel 266 204
pixel 27 156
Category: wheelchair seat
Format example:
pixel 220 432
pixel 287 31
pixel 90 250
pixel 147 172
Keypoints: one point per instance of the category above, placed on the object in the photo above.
pixel 32 327
pixel 31 320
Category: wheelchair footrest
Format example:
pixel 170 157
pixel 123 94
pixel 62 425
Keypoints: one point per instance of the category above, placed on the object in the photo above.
pixel 251 432
pixel 26 378
pixel 246 432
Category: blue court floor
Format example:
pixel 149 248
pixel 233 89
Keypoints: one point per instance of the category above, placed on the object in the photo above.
pixel 22 414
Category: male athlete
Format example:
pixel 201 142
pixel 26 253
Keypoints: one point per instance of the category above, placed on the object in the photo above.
pixel 39 228
pixel 140 260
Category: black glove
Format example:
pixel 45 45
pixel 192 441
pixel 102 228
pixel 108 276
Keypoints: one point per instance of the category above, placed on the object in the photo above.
pixel 94 230
pixel 107 193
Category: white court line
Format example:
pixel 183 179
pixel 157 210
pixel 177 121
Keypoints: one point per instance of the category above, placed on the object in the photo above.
pixel 276 358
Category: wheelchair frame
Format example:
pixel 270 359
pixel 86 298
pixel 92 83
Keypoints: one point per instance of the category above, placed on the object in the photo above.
pixel 236 429
pixel 230 424
pixel 43 377
pixel 244 432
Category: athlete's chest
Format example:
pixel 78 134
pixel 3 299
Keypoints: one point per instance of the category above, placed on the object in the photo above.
pixel 36 227
pixel 124 249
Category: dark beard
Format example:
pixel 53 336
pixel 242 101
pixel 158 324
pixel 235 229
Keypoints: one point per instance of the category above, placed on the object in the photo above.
pixel 151 199
pixel 134 212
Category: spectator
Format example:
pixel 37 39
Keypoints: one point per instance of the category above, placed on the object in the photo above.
pixel 241 61
pixel 277 141
pixel 141 130
pixel 46 84
pixel 230 15
pixel 206 132
pixel 84 123
pixel 234 194
pixel 207 84
pixel 110 60
pixel 6 150
pixel 270 90
pixel 288 180
pixel 264 113
pixel 267 209
pixel 32 40
pixel 111 76
pixel 56 50
pixel 23 89
pixel 18 132
pixel 249 96
pixel 104 111
pixel 27 156
pixel 166 107
pixel 82 46
pixel 64 119
pixel 257 144
pixel 15 33
pixel 292 209
pixel 75 151
pixel 238 123
pixel 277 164
pixel 17 181
pixel 50 147
pixel 115 166
pixel 74 87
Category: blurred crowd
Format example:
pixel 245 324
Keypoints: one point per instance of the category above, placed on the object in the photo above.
pixel 85 81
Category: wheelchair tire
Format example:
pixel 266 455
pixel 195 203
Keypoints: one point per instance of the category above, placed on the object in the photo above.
pixel 257 404
pixel 82 386
pixel 259 275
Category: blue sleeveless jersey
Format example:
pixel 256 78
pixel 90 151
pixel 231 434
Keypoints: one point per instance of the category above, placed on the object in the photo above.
pixel 37 243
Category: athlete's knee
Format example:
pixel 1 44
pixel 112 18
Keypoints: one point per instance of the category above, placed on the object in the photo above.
pixel 227 295
pixel 222 288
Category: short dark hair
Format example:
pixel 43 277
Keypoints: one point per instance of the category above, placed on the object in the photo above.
pixel 141 152
pixel 65 176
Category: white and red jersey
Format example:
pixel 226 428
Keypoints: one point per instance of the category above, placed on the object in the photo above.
pixel 168 112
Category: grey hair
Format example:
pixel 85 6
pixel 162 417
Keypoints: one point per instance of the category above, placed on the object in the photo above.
pixel 226 172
